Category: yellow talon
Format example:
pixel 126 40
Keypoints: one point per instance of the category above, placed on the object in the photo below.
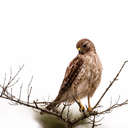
pixel 81 109
pixel 89 109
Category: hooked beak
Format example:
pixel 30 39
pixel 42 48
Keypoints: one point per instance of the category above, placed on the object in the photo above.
pixel 78 49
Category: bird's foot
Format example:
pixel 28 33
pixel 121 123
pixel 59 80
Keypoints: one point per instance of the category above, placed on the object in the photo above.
pixel 89 109
pixel 82 108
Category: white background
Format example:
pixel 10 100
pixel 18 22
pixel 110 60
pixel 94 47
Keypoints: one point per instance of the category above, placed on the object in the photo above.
pixel 42 34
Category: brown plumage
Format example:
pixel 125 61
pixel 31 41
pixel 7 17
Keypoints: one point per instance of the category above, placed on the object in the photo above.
pixel 82 76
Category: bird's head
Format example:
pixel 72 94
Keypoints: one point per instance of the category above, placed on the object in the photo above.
pixel 84 46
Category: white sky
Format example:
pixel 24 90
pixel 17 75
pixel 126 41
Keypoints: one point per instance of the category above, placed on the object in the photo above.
pixel 42 34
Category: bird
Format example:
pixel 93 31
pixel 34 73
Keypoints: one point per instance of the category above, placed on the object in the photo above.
pixel 82 77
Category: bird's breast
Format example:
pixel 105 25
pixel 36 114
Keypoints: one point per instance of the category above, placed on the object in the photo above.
pixel 90 74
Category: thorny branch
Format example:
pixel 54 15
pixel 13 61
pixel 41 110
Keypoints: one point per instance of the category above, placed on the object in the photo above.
pixel 40 106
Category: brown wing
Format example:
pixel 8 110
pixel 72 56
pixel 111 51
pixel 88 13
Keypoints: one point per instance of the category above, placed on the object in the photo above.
pixel 70 75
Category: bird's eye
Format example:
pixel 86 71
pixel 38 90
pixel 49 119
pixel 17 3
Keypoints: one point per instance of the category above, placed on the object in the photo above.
pixel 84 46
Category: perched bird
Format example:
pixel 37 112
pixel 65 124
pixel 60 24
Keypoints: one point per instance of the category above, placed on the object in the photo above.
pixel 82 76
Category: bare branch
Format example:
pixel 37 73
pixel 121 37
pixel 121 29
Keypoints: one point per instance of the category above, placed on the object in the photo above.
pixel 20 91
pixel 93 124
pixel 29 89
pixel 7 93
pixel 115 78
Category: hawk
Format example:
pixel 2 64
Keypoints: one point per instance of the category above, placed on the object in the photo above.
pixel 82 76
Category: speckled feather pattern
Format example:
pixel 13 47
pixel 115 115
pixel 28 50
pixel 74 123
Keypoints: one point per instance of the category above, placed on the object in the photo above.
pixel 82 76
pixel 86 81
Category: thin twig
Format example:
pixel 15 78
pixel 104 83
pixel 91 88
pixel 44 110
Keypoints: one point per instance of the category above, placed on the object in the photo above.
pixel 20 91
pixel 36 105
pixel 93 124
pixel 29 89
pixel 110 85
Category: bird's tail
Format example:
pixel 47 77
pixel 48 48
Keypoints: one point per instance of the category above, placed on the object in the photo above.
pixel 51 105
pixel 55 103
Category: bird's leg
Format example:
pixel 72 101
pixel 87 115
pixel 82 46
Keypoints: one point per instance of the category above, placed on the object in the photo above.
pixel 77 99
pixel 89 106
pixel 82 109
